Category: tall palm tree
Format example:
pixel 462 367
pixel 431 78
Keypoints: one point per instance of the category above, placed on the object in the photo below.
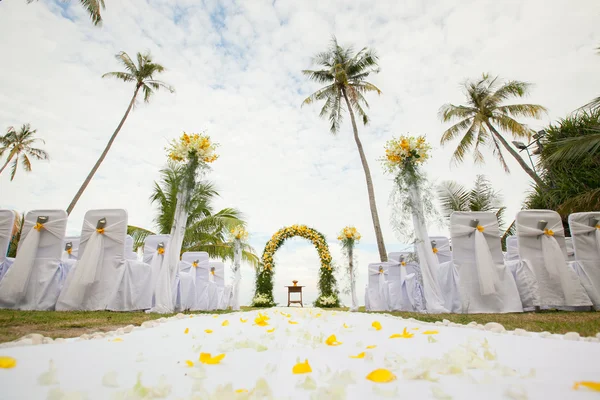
pixel 142 75
pixel 484 111
pixel 344 75
pixel 18 144
pixel 206 230
pixel 92 7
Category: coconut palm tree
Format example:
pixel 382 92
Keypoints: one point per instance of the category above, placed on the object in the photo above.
pixel 142 75
pixel 344 75
pixel 206 230
pixel 18 145
pixel 92 7
pixel 485 110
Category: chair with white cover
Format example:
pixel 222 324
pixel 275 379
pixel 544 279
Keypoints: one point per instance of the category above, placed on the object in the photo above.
pixel 129 253
pixel 155 247
pixel 7 222
pixel 102 279
pixel 377 291
pixel 570 249
pixel 523 274
pixel 485 284
pixel 585 232
pixel 397 293
pixel 512 249
pixel 447 274
pixel 70 248
pixel 34 280
pixel 542 246
pixel 413 281
pixel 195 265
pixel 218 294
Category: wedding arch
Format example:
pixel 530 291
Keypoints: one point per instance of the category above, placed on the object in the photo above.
pixel 328 293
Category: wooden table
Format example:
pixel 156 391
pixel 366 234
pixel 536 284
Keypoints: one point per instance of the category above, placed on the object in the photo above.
pixel 295 289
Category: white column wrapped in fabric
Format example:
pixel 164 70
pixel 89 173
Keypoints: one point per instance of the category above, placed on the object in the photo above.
pixel 34 279
pixel 585 232
pixel 434 299
pixel 378 291
pixel 486 285
pixel 545 251
pixel 354 300
pixel 237 274
pixel 7 222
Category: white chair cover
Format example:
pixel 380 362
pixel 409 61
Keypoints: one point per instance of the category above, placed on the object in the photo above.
pixel 187 280
pixel 570 249
pixel 102 279
pixel 413 298
pixel 545 251
pixel 73 254
pixel 7 222
pixel 33 282
pixel 442 244
pixel 397 296
pixel 446 274
pixel 162 286
pixel 523 274
pixel 377 288
pixel 585 233
pixel 129 253
pixel 512 249
pixel 219 295
pixel 485 284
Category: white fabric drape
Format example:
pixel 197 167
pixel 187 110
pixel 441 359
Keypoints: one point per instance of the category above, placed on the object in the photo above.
pixel 578 228
pixel 237 248
pixel 7 221
pixel 354 306
pixel 377 289
pixel 554 258
pixel 428 261
pixel 14 284
pixel 488 277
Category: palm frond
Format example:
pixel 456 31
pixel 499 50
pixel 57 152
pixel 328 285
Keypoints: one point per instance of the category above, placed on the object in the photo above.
pixel 123 76
pixel 588 200
pixel 139 235
pixel 523 110
pixel 453 197
pixel 574 148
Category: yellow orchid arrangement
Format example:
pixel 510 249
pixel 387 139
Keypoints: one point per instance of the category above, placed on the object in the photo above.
pixel 188 145
pixel 239 233
pixel 405 150
pixel 349 233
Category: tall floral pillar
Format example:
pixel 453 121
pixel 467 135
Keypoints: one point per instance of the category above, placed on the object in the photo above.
pixel 193 153
pixel 239 235
pixel 404 156
pixel 349 236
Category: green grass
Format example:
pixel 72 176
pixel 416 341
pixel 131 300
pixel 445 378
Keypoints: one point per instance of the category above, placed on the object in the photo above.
pixel 15 324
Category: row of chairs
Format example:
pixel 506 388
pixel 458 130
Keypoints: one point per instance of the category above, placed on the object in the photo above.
pixel 538 270
pixel 99 270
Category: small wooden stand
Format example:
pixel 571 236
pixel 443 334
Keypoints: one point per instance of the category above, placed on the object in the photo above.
pixel 295 289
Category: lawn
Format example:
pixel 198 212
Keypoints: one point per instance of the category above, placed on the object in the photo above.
pixel 15 324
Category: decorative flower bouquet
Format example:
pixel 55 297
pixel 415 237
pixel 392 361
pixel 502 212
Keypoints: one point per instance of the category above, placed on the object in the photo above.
pixel 195 145
pixel 239 233
pixel 405 153
pixel 327 301
pixel 262 300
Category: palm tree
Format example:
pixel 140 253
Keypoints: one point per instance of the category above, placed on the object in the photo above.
pixel 485 109
pixel 344 75
pixel 594 104
pixel 92 7
pixel 18 144
pixel 142 75
pixel 206 230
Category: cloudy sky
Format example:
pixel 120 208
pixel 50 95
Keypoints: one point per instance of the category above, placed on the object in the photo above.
pixel 236 69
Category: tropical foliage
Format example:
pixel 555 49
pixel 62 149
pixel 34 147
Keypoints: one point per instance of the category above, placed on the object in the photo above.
pixel 594 105
pixel 570 161
pixel 327 281
pixel 206 229
pixel 18 146
pixel 92 7
pixel 484 113
pixel 344 75
pixel 142 75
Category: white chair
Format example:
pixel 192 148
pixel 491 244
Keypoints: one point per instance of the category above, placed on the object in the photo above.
pixel 485 284
pixel 7 222
pixel 542 246
pixel 70 248
pixel 155 247
pixel 585 232
pixel 377 290
pixel 34 280
pixel 523 274
pixel 195 276
pixel 129 253
pixel 512 249
pixel 570 249
pixel 102 279
pixel 447 275
pixel 219 295
pixel 442 246
pixel 412 289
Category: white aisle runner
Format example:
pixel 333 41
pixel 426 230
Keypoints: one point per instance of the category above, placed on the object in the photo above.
pixel 461 362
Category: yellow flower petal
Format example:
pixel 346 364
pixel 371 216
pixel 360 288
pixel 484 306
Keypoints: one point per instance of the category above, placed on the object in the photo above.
pixel 208 331
pixel 404 335
pixel 292 322
pixel 332 341
pixel 206 358
pixel 372 346
pixel 7 362
pixel 216 316
pixel 595 386
pixel 271 330
pixel 415 329
pixel 117 340
pixel 243 321
pixel 359 355
pixel 430 333
pixel 187 330
pixel 381 376
pixel 189 363
pixel 302 368
pixel 225 323
pixel 346 326
pixel 376 325
pixel 241 391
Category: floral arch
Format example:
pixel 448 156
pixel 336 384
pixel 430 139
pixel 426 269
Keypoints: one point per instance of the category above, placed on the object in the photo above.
pixel 328 293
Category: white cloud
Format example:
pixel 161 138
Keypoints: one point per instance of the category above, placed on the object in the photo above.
pixel 236 67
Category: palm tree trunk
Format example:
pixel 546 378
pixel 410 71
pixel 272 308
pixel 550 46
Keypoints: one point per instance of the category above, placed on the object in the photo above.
pixel 103 155
pixel 6 163
pixel 370 190
pixel 513 153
